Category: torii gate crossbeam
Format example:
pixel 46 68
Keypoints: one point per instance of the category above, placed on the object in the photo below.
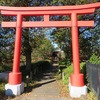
pixel 76 79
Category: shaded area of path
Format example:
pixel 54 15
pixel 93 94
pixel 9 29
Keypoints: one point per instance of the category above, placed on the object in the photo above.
pixel 46 89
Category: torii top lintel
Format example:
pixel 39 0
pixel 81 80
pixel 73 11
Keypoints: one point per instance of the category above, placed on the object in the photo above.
pixel 46 12
pixel 79 9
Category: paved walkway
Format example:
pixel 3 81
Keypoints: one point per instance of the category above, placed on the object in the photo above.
pixel 46 89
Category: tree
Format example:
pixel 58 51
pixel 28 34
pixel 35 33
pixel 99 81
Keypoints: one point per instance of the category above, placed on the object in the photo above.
pixel 45 48
pixel 42 47
pixel 92 35
pixel 27 40
pixel 72 2
pixel 87 36
pixel 62 37
pixel 27 49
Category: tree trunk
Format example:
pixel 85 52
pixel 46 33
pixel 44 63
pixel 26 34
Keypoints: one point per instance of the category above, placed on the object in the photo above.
pixel 28 61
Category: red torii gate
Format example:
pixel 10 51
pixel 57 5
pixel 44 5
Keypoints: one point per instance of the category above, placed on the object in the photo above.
pixel 76 79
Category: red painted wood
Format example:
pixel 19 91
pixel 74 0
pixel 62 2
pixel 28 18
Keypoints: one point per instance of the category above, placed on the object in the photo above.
pixel 77 80
pixel 48 12
pixel 46 18
pixel 75 50
pixel 75 44
pixel 52 8
pixel 15 76
pixel 49 24
pixel 16 62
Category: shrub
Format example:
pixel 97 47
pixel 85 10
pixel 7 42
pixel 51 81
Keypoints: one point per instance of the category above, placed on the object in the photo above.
pixel 5 67
pixel 1 69
pixel 65 62
pixel 83 67
pixel 2 85
pixel 69 70
pixel 41 65
pixel 94 59
pixel 37 69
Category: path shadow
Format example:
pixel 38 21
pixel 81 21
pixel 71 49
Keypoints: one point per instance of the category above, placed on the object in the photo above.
pixel 42 79
pixel 37 85
pixel 40 84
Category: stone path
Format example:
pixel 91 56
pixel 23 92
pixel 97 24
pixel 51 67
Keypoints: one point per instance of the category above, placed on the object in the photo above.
pixel 47 89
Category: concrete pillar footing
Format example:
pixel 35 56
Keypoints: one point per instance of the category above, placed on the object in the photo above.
pixel 11 90
pixel 76 92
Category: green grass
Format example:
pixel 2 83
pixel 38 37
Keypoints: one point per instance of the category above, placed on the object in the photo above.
pixel 2 89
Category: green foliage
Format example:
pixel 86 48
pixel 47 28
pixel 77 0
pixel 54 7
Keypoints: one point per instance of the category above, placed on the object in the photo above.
pixel 85 48
pixel 62 37
pixel 2 89
pixel 62 63
pixel 72 2
pixel 68 71
pixel 1 69
pixel 82 65
pixel 5 67
pixel 42 48
pixel 37 68
pixel 2 86
pixel 41 65
pixel 6 45
pixel 65 62
pixel 45 48
pixel 94 59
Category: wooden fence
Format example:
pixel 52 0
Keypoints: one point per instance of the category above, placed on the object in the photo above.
pixel 93 73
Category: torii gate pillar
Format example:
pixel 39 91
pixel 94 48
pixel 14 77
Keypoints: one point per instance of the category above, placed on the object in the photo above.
pixel 76 85
pixel 15 85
